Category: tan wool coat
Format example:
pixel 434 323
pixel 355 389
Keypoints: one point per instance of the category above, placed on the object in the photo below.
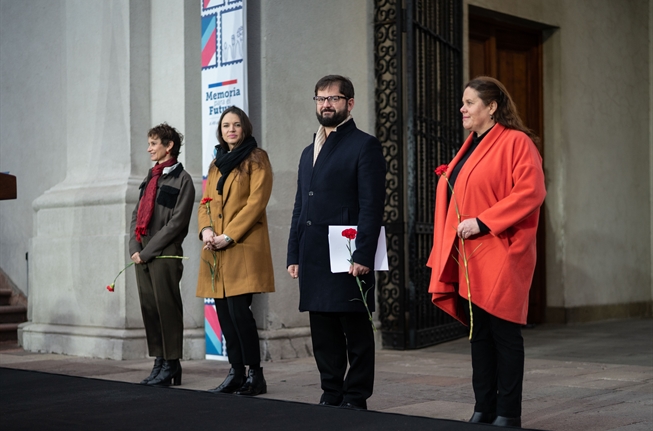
pixel 245 266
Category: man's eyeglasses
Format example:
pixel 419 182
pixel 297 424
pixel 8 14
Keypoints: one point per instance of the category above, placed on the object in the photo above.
pixel 332 99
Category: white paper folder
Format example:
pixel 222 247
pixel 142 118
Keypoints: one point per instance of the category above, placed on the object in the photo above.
pixel 339 254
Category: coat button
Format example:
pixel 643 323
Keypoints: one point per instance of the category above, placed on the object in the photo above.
pixel 219 215
pixel 308 223
pixel 310 193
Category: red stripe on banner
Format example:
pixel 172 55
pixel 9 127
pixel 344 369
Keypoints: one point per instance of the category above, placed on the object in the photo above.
pixel 212 317
pixel 206 3
pixel 208 51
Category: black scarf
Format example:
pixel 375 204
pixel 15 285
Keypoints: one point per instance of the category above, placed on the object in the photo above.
pixel 227 161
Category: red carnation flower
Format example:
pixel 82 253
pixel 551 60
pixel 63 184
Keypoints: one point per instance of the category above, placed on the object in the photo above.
pixel 111 287
pixel 349 233
pixel 441 170
pixel 205 201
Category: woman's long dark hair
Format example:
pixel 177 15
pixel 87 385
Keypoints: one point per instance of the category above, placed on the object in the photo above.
pixel 490 89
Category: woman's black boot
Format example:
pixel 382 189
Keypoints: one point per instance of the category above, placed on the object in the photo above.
pixel 158 363
pixel 502 421
pixel 255 383
pixel 482 418
pixel 170 374
pixel 234 381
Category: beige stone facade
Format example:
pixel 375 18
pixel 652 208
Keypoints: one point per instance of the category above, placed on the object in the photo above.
pixel 81 82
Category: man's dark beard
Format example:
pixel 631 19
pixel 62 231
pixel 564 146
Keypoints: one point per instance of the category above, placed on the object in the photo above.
pixel 334 120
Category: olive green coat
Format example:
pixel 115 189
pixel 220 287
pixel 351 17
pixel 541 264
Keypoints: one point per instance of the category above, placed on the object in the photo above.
pixel 245 266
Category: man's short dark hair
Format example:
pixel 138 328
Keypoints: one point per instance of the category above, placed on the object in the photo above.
pixel 344 83
pixel 167 134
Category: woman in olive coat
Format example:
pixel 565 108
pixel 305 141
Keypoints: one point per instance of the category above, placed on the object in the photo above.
pixel 236 259
pixel 158 227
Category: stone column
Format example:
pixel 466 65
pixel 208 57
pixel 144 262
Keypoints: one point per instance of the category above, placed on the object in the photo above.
pixel 81 225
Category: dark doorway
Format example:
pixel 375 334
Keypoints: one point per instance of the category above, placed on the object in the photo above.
pixel 510 50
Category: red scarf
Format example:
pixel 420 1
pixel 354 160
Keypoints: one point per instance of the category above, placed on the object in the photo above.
pixel 146 207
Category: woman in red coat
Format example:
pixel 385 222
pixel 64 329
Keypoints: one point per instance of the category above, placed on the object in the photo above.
pixel 498 188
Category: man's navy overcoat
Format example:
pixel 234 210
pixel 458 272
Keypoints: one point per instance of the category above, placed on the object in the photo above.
pixel 345 187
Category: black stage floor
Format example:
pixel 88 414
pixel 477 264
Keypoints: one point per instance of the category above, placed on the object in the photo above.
pixel 31 400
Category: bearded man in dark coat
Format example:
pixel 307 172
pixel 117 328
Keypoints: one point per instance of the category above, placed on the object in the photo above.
pixel 341 181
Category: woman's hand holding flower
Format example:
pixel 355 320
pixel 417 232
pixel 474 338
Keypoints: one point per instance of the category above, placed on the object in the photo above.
pixel 208 237
pixel 136 258
pixel 468 228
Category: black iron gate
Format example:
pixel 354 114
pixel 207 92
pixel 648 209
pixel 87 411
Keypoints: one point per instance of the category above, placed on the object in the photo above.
pixel 418 61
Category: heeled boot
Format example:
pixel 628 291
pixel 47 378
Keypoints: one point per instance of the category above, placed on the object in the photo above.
pixel 255 383
pixel 502 421
pixel 482 418
pixel 170 374
pixel 234 381
pixel 158 363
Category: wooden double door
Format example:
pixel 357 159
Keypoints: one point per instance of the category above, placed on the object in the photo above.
pixel 512 53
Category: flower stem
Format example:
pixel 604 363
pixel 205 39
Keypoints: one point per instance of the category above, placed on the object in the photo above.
pixel 360 286
pixel 465 259
pixel 369 315
pixel 156 257
pixel 123 270
pixel 213 268
pixel 469 293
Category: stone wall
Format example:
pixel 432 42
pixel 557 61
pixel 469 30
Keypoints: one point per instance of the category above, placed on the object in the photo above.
pixel 597 142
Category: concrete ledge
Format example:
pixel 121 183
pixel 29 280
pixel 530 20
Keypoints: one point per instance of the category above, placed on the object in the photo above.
pixel 592 313
pixel 276 334
pixel 293 343
pixel 95 342
pixel 285 343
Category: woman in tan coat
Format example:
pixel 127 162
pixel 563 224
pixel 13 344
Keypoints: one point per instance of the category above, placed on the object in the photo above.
pixel 236 259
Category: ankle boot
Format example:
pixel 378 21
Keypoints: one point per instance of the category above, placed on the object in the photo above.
pixel 234 381
pixel 170 374
pixel 254 385
pixel 502 421
pixel 158 363
pixel 482 418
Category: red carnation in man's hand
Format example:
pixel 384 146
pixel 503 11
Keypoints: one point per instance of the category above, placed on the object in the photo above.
pixel 349 233
pixel 442 169
pixel 205 201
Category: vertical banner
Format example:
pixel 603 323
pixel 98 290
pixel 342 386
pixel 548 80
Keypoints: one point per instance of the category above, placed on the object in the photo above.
pixel 224 67
pixel 224 84
pixel 215 344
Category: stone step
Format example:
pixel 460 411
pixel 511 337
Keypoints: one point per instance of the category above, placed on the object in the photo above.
pixel 5 296
pixel 13 314
pixel 8 331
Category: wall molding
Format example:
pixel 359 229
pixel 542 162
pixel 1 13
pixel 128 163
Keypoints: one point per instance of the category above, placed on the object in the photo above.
pixel 592 313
